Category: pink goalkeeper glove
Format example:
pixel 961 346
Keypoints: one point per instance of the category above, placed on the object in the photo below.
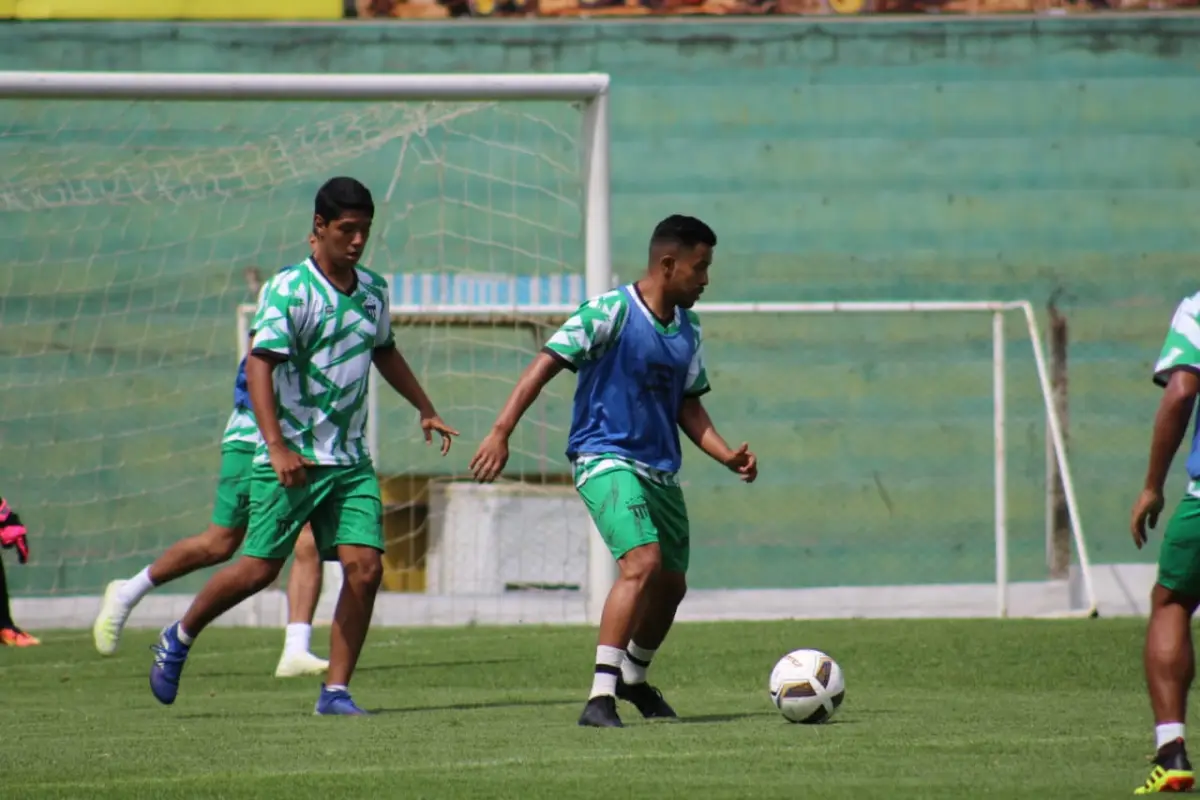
pixel 12 532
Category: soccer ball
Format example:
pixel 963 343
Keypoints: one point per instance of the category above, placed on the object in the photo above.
pixel 807 686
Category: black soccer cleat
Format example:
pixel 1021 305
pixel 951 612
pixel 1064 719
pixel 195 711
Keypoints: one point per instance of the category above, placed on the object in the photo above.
pixel 648 700
pixel 601 712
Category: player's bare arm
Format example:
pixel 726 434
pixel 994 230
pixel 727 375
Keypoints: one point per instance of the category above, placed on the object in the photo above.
pixel 698 425
pixel 395 370
pixel 288 464
pixel 489 460
pixel 1170 425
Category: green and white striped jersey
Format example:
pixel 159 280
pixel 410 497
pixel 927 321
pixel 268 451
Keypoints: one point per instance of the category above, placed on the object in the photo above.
pixel 1181 350
pixel 327 338
pixel 241 428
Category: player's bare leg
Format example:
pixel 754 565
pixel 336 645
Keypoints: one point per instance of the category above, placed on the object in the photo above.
pixel 242 579
pixel 363 567
pixel 663 596
pixel 215 545
pixel 303 592
pixel 1170 669
pixel 638 569
pixel 363 572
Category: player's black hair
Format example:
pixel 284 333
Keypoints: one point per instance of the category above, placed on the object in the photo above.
pixel 682 231
pixel 339 195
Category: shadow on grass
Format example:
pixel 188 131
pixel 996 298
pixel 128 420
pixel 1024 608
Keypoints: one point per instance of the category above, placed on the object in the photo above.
pixel 706 719
pixel 480 706
pixel 258 673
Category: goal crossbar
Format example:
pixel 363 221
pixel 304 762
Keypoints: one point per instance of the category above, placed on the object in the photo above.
pixel 292 86
pixel 554 313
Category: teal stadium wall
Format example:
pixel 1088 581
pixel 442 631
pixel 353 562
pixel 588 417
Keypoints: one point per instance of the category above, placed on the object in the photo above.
pixel 895 159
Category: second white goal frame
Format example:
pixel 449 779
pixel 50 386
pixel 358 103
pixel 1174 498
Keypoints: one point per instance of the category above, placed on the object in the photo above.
pixel 600 575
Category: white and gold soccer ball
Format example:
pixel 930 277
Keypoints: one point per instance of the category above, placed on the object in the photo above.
pixel 807 686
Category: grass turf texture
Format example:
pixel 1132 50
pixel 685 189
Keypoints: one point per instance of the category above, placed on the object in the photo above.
pixel 934 709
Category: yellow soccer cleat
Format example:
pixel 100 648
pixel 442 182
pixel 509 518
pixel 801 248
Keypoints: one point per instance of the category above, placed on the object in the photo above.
pixel 106 631
pixel 1172 771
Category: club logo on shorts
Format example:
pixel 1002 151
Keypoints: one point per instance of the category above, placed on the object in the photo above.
pixel 638 509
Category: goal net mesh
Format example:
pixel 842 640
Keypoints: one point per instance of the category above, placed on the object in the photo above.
pixel 130 231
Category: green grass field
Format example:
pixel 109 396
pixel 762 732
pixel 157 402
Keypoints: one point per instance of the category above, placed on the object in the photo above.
pixel 934 709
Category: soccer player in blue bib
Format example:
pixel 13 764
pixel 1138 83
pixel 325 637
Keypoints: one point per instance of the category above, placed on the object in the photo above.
pixel 218 543
pixel 641 372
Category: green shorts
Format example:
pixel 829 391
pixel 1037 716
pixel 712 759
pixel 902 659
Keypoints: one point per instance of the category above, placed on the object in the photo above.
pixel 231 507
pixel 341 503
pixel 1179 556
pixel 631 511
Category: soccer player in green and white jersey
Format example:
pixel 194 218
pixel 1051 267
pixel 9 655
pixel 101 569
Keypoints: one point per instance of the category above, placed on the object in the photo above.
pixel 218 543
pixel 318 329
pixel 1169 656
pixel 641 375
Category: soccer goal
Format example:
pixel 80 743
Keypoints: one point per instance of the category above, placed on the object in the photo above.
pixel 888 433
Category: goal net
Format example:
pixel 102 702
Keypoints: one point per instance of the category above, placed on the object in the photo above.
pixel 138 213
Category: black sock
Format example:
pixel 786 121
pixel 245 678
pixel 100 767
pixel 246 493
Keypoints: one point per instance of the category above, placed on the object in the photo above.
pixel 6 620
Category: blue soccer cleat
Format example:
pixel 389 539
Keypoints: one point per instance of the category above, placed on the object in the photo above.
pixel 337 702
pixel 170 655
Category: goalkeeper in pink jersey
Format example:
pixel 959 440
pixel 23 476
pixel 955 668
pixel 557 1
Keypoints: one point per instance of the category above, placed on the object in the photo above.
pixel 12 537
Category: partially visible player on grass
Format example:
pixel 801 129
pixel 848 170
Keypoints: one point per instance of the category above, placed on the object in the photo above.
pixel 217 544
pixel 641 374
pixel 318 329
pixel 13 536
pixel 1169 657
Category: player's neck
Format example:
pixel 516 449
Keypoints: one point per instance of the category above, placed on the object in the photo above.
pixel 344 280
pixel 656 301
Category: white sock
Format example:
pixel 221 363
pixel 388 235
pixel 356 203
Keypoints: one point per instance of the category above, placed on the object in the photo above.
pixel 183 635
pixel 636 662
pixel 335 687
pixel 1167 733
pixel 134 589
pixel 608 667
pixel 296 638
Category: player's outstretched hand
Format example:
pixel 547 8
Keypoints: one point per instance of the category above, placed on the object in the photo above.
pixel 434 424
pixel 489 460
pixel 289 465
pixel 1145 511
pixel 744 463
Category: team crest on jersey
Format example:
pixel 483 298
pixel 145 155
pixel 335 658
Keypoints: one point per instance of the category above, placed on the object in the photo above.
pixel 330 311
pixel 371 310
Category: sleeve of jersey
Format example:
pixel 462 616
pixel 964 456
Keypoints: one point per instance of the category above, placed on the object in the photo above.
pixel 589 332
pixel 1181 350
pixel 384 337
pixel 697 377
pixel 274 330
